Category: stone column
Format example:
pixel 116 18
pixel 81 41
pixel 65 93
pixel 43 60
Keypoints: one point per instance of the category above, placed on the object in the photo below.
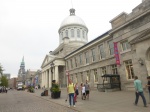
pixel 50 78
pixel 56 74
pixel 46 79
pixel 42 79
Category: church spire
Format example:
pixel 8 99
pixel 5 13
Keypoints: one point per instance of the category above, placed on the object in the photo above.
pixel 22 63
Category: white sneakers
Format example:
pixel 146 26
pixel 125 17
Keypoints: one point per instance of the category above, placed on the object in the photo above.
pixel 73 106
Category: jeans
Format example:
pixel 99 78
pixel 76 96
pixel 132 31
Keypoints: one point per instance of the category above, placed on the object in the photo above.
pixel 71 96
pixel 137 97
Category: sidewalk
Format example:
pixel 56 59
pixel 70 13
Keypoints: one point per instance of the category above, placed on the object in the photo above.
pixel 119 101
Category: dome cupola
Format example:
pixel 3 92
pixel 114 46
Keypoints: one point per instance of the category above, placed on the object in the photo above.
pixel 74 28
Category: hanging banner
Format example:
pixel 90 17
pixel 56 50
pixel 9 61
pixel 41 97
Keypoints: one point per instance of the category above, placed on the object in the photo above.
pixel 116 53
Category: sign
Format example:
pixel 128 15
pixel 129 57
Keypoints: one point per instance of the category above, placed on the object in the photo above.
pixel 116 53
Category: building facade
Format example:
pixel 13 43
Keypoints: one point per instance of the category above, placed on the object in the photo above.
pixel 72 35
pixel 130 35
pixel 12 83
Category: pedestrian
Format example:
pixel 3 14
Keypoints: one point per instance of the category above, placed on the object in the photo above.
pixel 83 92
pixel 71 91
pixel 87 89
pixel 148 86
pixel 76 92
pixel 139 91
pixel 81 89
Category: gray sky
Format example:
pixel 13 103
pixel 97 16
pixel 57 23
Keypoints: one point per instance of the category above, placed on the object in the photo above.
pixel 29 28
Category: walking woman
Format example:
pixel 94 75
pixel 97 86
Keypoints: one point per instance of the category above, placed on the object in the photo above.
pixel 76 92
pixel 70 90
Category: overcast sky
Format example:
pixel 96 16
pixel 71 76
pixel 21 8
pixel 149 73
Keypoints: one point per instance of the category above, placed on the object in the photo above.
pixel 29 28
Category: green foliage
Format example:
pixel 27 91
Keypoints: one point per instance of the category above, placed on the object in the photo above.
pixel 55 88
pixel 31 89
pixel 1 69
pixel 4 81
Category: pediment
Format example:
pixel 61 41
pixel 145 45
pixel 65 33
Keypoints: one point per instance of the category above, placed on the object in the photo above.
pixel 47 60
pixel 143 36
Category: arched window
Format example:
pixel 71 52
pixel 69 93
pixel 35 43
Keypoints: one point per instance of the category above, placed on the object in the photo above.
pixel 83 34
pixel 66 33
pixel 72 32
pixel 62 35
pixel 78 33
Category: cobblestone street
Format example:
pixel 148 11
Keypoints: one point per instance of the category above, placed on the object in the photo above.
pixel 21 101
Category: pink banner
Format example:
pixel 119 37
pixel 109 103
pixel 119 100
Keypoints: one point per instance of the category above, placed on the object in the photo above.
pixel 116 53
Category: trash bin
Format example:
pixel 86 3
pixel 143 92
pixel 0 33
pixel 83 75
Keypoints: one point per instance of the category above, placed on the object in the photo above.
pixel 46 93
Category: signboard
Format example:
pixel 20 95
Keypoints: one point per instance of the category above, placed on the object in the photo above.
pixel 116 53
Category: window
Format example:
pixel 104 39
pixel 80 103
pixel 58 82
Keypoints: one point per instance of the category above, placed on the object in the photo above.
pixel 72 32
pixel 71 63
pixel 76 78
pixel 78 33
pixel 103 70
pixel 95 75
pixel 129 69
pixel 67 65
pixel 111 47
pixel 88 76
pixel 66 33
pixel 75 59
pixel 86 58
pixel 93 55
pixel 114 69
pixel 62 35
pixel 83 33
pixel 81 77
pixel 80 58
pixel 72 78
pixel 125 45
pixel 101 51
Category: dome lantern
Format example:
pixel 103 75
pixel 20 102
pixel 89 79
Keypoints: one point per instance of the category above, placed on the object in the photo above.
pixel 72 12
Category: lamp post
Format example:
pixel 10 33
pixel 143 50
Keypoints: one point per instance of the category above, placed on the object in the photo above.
pixel 31 80
pixel 52 65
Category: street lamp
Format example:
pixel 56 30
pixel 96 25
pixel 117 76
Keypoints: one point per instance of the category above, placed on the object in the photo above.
pixel 141 61
pixel 31 80
pixel 52 65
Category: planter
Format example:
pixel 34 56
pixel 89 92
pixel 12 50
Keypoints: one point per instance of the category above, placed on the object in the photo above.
pixel 55 95
pixel 46 93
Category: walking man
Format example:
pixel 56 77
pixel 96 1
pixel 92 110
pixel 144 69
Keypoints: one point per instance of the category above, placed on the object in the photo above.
pixel 139 91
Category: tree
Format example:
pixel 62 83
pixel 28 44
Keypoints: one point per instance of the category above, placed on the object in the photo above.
pixel 1 69
pixel 4 81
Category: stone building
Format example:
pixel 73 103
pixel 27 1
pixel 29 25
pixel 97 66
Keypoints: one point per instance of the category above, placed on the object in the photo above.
pixel 12 83
pixel 72 35
pixel 130 35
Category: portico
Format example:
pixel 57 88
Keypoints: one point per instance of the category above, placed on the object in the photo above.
pixel 52 69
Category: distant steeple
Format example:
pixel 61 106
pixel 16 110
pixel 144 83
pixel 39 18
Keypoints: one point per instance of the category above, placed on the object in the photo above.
pixel 72 12
pixel 22 63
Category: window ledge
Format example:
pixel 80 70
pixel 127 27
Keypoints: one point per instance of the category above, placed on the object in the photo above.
pixel 128 50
